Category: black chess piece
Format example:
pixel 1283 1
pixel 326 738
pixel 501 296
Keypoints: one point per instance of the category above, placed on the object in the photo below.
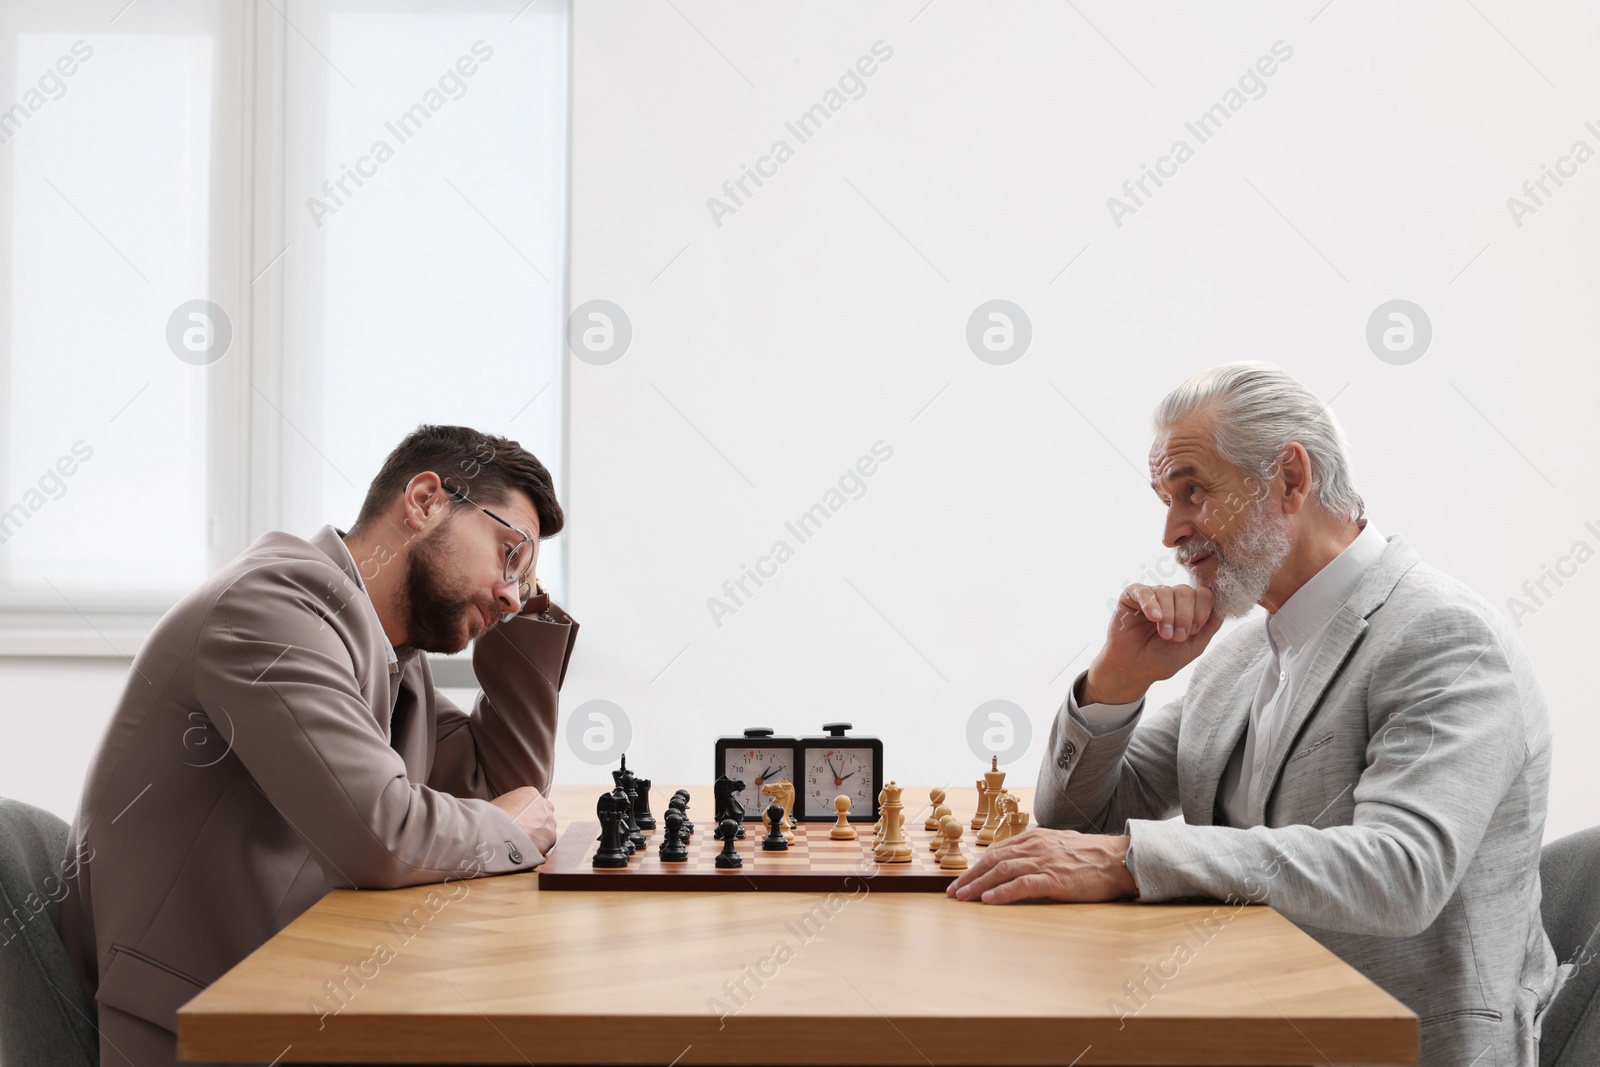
pixel 672 845
pixel 728 834
pixel 774 841
pixel 630 829
pixel 611 852
pixel 730 806
pixel 626 787
pixel 641 805
pixel 680 803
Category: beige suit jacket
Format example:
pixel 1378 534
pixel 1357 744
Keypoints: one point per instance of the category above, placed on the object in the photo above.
pixel 264 752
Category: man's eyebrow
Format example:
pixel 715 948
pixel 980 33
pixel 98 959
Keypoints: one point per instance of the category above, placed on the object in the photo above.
pixel 1172 476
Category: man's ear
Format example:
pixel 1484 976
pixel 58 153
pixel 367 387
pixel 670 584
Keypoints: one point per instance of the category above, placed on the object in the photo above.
pixel 1294 464
pixel 424 498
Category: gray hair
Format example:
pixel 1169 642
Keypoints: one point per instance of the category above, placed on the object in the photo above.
pixel 1257 409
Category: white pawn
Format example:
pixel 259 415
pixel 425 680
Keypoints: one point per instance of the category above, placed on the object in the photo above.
pixel 953 858
pixel 939 815
pixel 842 830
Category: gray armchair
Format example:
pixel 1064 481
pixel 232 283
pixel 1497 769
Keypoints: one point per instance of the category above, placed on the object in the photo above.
pixel 1570 871
pixel 46 1020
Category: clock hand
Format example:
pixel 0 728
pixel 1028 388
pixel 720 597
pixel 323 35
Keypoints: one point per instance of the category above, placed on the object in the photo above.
pixel 831 768
pixel 852 774
pixel 763 775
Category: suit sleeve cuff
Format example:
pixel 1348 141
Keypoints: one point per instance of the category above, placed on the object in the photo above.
pixel 1101 719
pixel 514 850
pixel 1158 853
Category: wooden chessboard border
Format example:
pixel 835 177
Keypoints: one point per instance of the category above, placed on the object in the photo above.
pixel 570 865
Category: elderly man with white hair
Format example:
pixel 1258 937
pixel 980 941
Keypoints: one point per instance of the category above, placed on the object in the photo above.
pixel 1371 757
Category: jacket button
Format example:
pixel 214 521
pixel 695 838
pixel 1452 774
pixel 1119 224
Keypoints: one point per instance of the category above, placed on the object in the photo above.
pixel 1068 750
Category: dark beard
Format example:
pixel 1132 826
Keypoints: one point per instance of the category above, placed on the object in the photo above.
pixel 433 610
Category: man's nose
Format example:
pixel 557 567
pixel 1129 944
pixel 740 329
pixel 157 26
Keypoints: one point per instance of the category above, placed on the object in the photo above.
pixel 506 598
pixel 1177 529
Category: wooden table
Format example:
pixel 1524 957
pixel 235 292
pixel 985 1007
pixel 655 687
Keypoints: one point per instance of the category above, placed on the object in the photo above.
pixel 506 974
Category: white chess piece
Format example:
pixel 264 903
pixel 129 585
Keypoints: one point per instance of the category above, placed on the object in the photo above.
pixel 842 830
pixel 935 798
pixel 937 826
pixel 953 859
pixel 895 848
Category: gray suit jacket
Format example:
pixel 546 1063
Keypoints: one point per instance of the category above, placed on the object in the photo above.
pixel 1403 824
pixel 263 752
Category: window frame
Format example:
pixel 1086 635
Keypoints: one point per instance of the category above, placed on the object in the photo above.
pixel 245 437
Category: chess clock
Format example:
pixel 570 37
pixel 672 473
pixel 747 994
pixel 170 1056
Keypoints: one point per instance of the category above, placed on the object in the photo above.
pixel 839 765
pixel 754 759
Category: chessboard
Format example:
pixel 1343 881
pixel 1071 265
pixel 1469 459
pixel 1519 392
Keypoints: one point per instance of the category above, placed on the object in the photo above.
pixel 815 863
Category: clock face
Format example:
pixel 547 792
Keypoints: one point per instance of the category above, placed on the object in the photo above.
pixel 840 771
pixel 755 767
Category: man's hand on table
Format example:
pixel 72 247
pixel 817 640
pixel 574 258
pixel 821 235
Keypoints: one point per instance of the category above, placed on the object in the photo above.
pixel 533 813
pixel 1042 864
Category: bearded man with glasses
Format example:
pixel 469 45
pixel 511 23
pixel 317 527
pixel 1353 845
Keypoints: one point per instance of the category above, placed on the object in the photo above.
pixel 280 733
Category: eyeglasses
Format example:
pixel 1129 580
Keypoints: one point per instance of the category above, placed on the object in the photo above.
pixel 519 557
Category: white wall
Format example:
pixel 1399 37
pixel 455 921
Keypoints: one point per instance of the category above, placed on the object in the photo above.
pixel 826 312
pixel 771 352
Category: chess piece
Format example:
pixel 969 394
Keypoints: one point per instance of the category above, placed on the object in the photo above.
pixel 842 830
pixel 878 826
pixel 895 847
pixel 766 821
pixel 782 791
pixel 935 798
pixel 1004 804
pixel 953 859
pixel 611 853
pixel 939 815
pixel 1017 822
pixel 728 831
pixel 775 841
pixel 629 784
pixel 680 800
pixel 673 849
pixel 1012 821
pixel 991 823
pixel 635 835
pixel 994 783
pixel 983 805
pixel 730 806
pixel 641 805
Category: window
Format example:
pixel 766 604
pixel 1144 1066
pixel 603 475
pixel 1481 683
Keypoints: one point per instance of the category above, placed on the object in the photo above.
pixel 364 201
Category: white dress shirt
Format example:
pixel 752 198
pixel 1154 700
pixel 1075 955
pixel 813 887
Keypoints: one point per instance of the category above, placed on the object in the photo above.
pixel 1294 633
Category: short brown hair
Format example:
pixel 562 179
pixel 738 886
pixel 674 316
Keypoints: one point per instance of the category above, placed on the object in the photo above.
pixel 484 467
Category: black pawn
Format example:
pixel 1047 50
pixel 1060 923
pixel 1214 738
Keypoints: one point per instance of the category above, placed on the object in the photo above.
pixel 680 804
pixel 611 852
pixel 774 841
pixel 641 805
pixel 727 833
pixel 672 847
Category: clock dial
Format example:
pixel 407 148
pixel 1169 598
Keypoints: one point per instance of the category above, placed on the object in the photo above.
pixel 832 772
pixel 755 766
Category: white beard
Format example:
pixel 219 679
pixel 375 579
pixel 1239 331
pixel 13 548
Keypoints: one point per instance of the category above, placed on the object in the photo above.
pixel 1254 555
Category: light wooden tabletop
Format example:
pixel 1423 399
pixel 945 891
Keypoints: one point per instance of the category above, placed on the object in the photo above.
pixel 501 973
